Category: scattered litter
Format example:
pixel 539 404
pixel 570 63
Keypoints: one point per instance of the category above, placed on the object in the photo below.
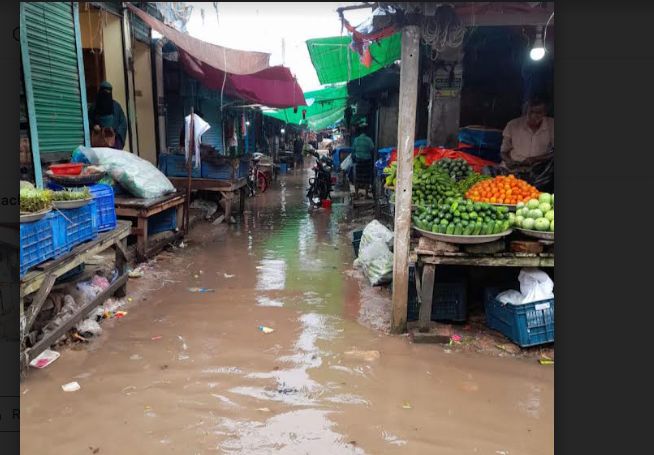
pixel 120 314
pixel 264 329
pixel 135 357
pixel 545 360
pixel 100 282
pixel 447 351
pixel 456 338
pixel 201 272
pixel 158 337
pixel 196 276
pixel 368 356
pixel 504 348
pixel 429 373
pixel 406 406
pixel 89 326
pixel 45 358
pixel 94 449
pixel 25 391
pixel 502 452
pixel 71 387
pixel 136 273
pixel 184 347
pixel 129 299
pixel 263 409
pixel 79 337
pixel 227 275
pixel 182 245
pixel 219 220
pixel 201 290
pixel 127 390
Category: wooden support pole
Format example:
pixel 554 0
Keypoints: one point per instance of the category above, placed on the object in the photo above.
pixel 406 126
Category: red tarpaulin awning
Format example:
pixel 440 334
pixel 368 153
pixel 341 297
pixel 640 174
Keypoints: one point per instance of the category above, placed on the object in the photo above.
pixel 242 74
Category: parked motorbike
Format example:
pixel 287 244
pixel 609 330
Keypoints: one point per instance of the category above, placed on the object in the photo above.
pixel 320 185
pixel 258 180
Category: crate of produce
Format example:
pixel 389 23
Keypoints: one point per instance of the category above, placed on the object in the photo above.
pixel 217 170
pixel 37 242
pixel 529 324
pixel 449 303
pixel 78 225
pixel 103 195
pixel 175 166
pixel 163 221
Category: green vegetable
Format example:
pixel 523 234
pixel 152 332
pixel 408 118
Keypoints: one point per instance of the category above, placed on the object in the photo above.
pixel 450 229
pixel 34 200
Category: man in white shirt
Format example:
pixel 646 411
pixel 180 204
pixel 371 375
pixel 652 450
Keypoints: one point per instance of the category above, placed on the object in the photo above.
pixel 528 140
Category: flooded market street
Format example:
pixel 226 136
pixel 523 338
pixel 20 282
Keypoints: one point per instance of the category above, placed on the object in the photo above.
pixel 191 373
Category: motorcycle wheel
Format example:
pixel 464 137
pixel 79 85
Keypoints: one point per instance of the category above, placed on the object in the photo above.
pixel 262 182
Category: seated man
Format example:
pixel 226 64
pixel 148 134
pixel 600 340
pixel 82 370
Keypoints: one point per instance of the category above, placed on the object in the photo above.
pixel 528 146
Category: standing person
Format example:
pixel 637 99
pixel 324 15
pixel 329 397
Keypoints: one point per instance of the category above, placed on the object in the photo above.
pixel 362 147
pixel 107 120
pixel 528 147
pixel 298 146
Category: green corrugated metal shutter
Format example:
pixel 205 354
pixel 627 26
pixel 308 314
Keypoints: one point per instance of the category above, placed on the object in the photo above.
pixel 55 96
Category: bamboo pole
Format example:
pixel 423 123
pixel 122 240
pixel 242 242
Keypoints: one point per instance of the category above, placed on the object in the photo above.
pixel 405 139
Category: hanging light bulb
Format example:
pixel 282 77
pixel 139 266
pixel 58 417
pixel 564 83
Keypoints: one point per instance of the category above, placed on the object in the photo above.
pixel 538 49
pixel 282 131
pixel 247 123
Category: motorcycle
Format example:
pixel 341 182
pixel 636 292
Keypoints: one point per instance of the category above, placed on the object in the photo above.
pixel 320 185
pixel 258 180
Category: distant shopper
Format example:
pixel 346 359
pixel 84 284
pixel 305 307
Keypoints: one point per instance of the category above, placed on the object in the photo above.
pixel 362 147
pixel 107 120
pixel 298 146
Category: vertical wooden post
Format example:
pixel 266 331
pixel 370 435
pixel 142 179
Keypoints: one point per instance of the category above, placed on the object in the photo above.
pixel 405 138
pixel 189 165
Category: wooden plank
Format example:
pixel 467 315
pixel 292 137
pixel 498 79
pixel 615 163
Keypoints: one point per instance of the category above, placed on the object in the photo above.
pixel 142 239
pixel 426 296
pixel 35 308
pixel 209 184
pixel 490 261
pixel 53 336
pixel 125 202
pixel 409 70
pixel 426 337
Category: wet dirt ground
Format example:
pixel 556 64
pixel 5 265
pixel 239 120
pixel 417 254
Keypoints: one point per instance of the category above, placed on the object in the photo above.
pixel 191 373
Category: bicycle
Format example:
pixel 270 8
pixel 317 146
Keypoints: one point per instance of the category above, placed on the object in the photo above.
pixel 258 180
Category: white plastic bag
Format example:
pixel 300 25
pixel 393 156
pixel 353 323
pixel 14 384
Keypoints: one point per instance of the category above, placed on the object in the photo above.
pixel 347 163
pixel 138 176
pixel 511 296
pixel 535 285
pixel 376 231
pixel 376 260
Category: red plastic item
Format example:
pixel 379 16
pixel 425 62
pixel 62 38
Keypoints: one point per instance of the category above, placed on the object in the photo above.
pixel 67 169
pixel 326 203
pixel 436 153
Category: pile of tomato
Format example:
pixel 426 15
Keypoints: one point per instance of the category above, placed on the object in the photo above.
pixel 502 190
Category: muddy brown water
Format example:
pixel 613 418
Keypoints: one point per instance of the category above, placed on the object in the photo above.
pixel 214 383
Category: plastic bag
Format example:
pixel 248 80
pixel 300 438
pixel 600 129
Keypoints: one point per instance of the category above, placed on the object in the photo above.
pixel 376 261
pixel 141 178
pixel 89 325
pixel 376 231
pixel 511 296
pixel 535 285
pixel 347 163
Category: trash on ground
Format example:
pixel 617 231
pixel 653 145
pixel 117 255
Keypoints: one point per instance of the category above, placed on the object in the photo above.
pixel 135 357
pixel 227 275
pixel 136 273
pixel 120 314
pixel 45 358
pixel 264 329
pixel 201 290
pixel 406 406
pixel 263 409
pixel 71 387
pixel 79 337
pixel 100 282
pixel 545 360
pixel 158 337
pixel 456 338
pixel 89 326
pixel 368 356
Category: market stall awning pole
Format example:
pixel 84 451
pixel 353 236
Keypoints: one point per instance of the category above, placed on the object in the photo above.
pixel 189 165
pixel 405 136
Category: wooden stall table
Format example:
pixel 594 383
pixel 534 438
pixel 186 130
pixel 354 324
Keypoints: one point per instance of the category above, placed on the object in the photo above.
pixel 142 209
pixel 227 188
pixel 41 280
pixel 428 260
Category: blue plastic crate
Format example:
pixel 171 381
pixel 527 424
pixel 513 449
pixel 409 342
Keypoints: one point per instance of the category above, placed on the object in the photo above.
pixel 175 166
pixel 449 302
pixel 217 171
pixel 37 242
pixel 243 169
pixel 78 225
pixel 103 195
pixel 526 325
pixel 283 168
pixel 163 221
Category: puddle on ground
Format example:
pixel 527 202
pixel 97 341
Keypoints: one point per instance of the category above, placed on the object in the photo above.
pixel 214 383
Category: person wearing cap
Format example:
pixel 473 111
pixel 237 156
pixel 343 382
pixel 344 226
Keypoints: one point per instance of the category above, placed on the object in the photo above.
pixel 107 119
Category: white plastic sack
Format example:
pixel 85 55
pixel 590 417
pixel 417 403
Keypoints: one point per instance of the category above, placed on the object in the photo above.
pixel 89 325
pixel 347 163
pixel 138 176
pixel 376 261
pixel 511 296
pixel 535 285
pixel 376 231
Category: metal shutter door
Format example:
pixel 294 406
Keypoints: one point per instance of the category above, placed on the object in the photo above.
pixel 55 87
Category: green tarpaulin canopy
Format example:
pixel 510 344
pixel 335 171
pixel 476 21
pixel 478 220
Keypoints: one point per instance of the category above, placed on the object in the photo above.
pixel 324 108
pixel 334 61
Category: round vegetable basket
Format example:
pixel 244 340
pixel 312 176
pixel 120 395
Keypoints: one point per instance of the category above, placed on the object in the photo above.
pixel 463 239
pixel 542 235
pixel 71 204
pixel 76 180
pixel 29 217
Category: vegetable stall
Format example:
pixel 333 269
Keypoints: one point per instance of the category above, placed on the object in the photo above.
pixel 462 217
